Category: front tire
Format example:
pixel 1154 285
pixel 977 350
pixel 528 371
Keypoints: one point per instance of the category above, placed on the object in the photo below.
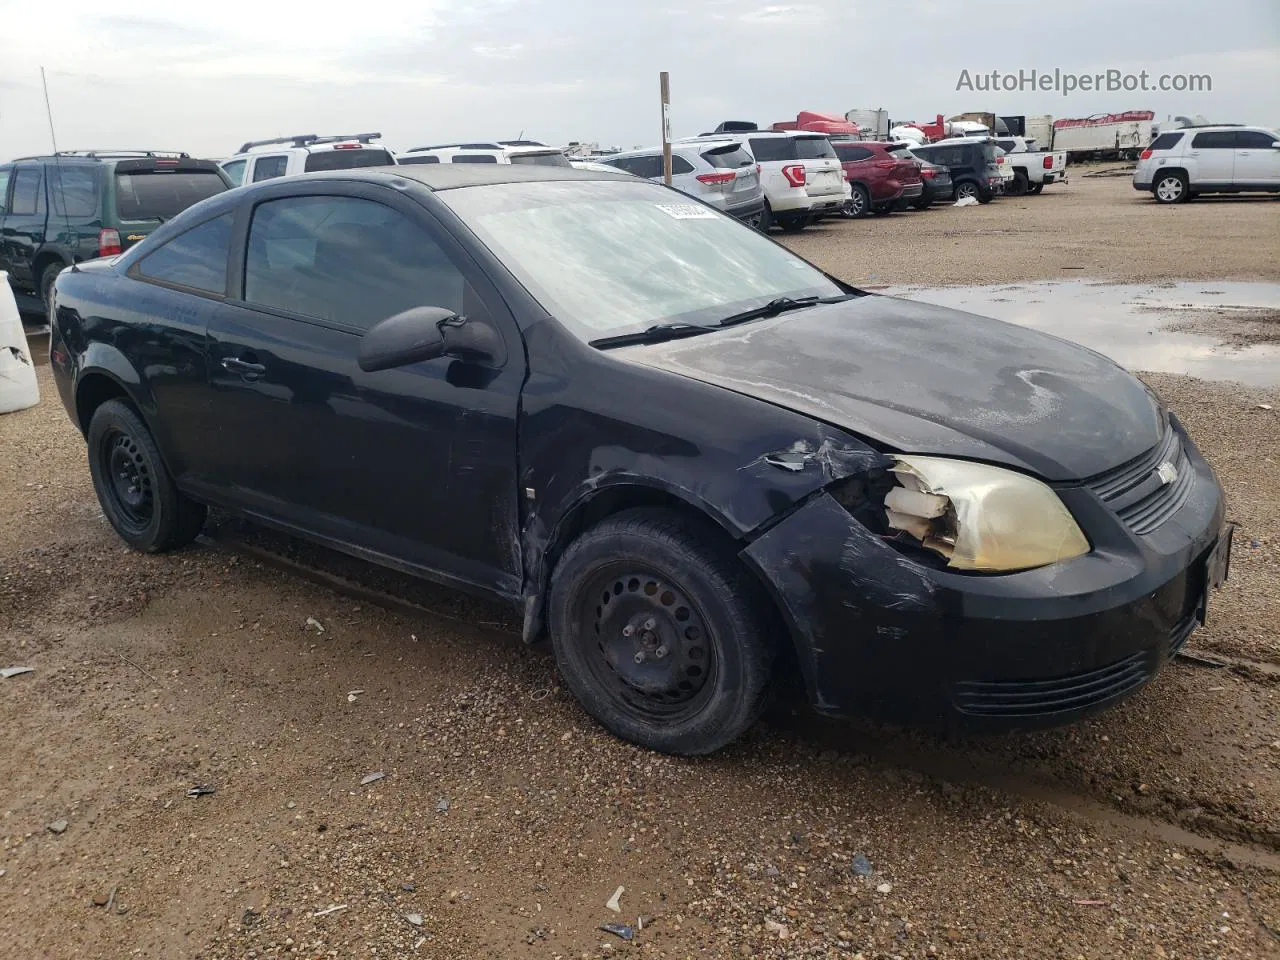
pixel 660 633
pixel 1171 188
pixel 137 494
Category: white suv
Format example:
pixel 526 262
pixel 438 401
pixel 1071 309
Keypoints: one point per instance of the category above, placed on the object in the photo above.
pixel 286 156
pixel 800 173
pixel 522 151
pixel 1181 164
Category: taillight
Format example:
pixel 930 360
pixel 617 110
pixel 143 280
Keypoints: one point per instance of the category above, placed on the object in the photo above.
pixel 1048 162
pixel 166 163
pixel 717 178
pixel 347 146
pixel 1145 155
pixel 795 174
pixel 108 242
pixel 844 174
pixel 758 170
pixel 926 172
pixel 886 164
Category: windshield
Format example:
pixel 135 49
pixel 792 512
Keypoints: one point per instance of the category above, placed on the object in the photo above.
pixel 609 257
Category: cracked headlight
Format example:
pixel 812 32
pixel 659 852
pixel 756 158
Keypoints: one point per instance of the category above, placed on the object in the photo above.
pixel 981 517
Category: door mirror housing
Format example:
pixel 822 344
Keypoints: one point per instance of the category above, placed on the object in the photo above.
pixel 425 333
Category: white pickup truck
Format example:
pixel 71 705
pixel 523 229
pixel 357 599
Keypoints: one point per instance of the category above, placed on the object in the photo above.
pixel 1033 169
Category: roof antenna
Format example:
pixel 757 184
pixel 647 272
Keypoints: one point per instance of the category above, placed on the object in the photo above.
pixel 60 196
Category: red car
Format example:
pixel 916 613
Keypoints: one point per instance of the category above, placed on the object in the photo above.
pixel 878 179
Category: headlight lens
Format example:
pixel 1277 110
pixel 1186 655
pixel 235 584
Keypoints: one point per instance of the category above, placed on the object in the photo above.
pixel 981 517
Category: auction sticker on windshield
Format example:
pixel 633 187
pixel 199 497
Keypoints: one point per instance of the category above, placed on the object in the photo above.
pixel 686 211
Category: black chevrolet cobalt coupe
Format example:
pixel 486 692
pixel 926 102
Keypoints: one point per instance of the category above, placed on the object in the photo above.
pixel 692 459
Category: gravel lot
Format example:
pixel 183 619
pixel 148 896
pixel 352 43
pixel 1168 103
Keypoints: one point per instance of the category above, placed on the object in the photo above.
pixel 505 819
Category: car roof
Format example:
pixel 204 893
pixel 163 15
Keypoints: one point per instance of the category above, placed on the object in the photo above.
pixel 448 176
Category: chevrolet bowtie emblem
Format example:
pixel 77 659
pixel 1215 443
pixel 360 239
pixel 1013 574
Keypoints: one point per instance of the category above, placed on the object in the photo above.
pixel 1167 473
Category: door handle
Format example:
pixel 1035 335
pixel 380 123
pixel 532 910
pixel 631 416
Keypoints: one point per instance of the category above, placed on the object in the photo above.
pixel 245 368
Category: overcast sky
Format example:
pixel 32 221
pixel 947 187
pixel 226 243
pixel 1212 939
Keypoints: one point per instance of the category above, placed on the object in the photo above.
pixel 205 77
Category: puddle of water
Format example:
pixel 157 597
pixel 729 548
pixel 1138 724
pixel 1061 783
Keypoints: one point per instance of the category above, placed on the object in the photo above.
pixel 1129 322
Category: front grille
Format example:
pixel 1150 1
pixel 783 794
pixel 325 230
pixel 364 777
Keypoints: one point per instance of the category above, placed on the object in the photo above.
pixel 1042 698
pixel 1138 494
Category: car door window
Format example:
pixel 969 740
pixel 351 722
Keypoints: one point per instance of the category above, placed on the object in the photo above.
pixel 1213 140
pixel 5 173
pixel 268 168
pixel 1253 140
pixel 679 165
pixel 196 259
pixel 346 260
pixel 27 197
pixel 235 170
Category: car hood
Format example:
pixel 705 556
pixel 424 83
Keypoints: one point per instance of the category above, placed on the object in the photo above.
pixel 925 379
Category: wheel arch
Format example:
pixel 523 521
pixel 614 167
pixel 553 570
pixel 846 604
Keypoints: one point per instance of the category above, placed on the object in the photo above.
pixel 1165 171
pixel 588 511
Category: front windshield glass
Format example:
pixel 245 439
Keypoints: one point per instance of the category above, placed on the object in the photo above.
pixel 608 257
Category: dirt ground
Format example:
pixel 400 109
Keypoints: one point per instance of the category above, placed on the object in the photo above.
pixel 504 818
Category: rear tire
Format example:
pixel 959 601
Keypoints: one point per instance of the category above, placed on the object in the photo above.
pixel 660 632
pixel 883 210
pixel 967 188
pixel 793 222
pixel 1171 188
pixel 766 218
pixel 1035 188
pixel 1020 185
pixel 859 202
pixel 49 275
pixel 137 494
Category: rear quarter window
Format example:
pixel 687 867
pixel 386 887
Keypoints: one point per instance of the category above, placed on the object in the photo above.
pixel 162 195
pixel 853 154
pixel 347 159
pixel 552 158
pixel 74 191
pixel 1166 141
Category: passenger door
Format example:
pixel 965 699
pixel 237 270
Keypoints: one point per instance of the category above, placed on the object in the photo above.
pixel 414 466
pixel 22 231
pixel 1215 158
pixel 1257 159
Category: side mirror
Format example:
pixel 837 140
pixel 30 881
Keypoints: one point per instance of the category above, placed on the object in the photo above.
pixel 425 333
pixel 408 337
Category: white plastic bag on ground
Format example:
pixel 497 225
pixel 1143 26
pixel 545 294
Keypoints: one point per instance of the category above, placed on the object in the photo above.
pixel 18 387
pixel 967 202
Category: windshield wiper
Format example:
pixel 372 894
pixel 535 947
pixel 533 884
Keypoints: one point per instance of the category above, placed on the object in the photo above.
pixel 655 334
pixel 780 305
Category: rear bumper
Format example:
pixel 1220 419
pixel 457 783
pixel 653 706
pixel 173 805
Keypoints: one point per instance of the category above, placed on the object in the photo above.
pixel 912 190
pixel 879 634
pixel 747 211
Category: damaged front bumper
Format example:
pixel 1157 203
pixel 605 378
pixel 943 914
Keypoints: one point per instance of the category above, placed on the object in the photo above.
pixel 883 635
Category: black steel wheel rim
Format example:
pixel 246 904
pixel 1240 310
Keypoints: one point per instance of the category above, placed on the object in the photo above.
pixel 127 478
pixel 647 644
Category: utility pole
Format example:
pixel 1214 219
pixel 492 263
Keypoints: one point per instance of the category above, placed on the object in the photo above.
pixel 664 82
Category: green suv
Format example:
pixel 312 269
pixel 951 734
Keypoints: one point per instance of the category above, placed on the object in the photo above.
pixel 63 208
